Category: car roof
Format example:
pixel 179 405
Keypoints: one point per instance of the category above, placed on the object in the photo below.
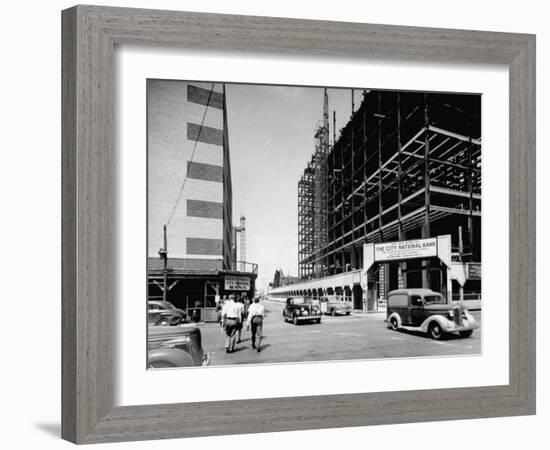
pixel 413 291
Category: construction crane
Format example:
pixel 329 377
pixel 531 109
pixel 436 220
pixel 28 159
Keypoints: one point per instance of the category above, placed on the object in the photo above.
pixel 241 229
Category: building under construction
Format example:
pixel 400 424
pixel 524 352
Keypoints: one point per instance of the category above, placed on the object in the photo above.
pixel 406 166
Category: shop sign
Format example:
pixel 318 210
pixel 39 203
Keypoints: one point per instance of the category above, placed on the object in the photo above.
pixel 474 271
pixel 418 248
pixel 237 284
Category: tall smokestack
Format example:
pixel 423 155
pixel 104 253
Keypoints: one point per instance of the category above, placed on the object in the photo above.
pixel 242 242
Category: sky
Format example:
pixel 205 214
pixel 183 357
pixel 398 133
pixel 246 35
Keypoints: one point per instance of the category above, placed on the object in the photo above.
pixel 271 140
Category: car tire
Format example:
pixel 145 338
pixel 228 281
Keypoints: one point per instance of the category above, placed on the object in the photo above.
pixel 348 313
pixel 394 325
pixel 435 331
pixel 333 312
pixel 295 320
pixel 163 323
pixel 466 334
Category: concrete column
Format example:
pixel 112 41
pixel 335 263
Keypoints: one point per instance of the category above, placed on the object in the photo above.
pixel 400 281
pixel 450 286
pixel 426 279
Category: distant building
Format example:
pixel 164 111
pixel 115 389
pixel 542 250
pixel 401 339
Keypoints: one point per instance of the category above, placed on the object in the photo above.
pixel 189 190
pixel 280 279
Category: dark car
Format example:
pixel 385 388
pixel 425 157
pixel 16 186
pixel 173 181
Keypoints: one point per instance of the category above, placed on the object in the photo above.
pixel 428 311
pixel 301 309
pixel 179 346
pixel 164 313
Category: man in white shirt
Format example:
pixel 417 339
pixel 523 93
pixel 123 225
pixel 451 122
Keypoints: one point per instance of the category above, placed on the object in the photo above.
pixel 231 318
pixel 255 321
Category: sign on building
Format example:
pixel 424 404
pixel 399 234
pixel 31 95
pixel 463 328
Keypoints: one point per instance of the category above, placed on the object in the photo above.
pixel 237 284
pixel 474 271
pixel 384 252
pixel 418 248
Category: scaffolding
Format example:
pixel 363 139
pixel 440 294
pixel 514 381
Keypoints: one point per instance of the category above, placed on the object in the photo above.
pixel 306 190
pixel 312 204
pixel 407 165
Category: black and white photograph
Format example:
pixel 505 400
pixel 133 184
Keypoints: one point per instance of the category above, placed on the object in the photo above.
pixel 293 224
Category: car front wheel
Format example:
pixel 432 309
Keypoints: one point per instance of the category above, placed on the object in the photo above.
pixel 295 319
pixel 393 324
pixel 435 331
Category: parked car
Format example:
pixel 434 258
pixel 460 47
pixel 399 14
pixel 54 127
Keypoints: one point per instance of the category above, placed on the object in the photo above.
pixel 428 311
pixel 301 309
pixel 334 305
pixel 164 313
pixel 179 346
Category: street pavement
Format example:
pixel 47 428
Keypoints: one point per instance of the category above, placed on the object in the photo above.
pixel 359 336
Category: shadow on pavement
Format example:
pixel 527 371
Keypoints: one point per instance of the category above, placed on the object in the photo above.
pixel 445 337
pixel 239 349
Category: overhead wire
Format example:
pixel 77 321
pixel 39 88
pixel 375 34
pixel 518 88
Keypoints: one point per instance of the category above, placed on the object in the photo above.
pixel 191 159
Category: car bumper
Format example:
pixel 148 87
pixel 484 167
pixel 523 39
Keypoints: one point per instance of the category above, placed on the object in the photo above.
pixel 305 318
pixel 452 327
pixel 342 311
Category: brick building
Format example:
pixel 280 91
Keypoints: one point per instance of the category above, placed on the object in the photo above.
pixel 189 191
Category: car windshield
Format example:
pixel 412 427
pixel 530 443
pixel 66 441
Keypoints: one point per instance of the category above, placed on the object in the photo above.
pixel 434 300
pixel 167 305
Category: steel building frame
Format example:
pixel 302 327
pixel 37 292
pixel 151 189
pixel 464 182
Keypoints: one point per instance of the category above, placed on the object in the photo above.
pixel 407 165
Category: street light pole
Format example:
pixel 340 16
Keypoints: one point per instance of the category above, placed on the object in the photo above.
pixel 163 253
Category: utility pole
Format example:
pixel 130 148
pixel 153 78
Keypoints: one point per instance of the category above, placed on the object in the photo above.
pixel 460 251
pixel 163 253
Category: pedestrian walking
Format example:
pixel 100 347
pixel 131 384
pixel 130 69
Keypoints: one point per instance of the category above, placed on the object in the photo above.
pixel 219 307
pixel 231 317
pixel 247 303
pixel 240 307
pixel 255 322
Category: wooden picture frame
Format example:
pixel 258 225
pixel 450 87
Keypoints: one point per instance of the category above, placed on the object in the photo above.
pixel 89 37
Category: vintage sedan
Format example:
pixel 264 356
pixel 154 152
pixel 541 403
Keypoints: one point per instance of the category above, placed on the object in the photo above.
pixel 428 311
pixel 334 305
pixel 179 346
pixel 164 313
pixel 301 309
